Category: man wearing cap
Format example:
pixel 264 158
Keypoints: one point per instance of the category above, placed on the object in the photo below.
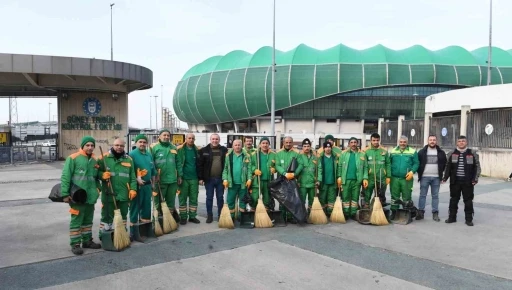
pixel 140 207
pixel 236 176
pixel 379 169
pixel 116 168
pixel 81 169
pixel 336 151
pixel 352 171
pixel 263 165
pixel 169 169
pixel 308 179
pixel 327 173
pixel 189 188
pixel 248 148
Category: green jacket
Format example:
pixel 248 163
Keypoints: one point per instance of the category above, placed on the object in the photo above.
pixel 227 172
pixel 249 151
pixel 271 163
pixel 310 172
pixel 403 161
pixel 283 159
pixel 181 154
pixel 378 158
pixel 322 166
pixel 122 172
pixel 335 150
pixel 168 162
pixel 143 161
pixel 81 170
pixel 361 166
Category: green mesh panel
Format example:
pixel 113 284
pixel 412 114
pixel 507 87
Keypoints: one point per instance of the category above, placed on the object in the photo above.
pixel 326 80
pixel 268 88
pixel 374 75
pixel 235 94
pixel 468 75
pixel 191 99
pixel 445 74
pixel 495 77
pixel 203 102
pixel 217 95
pixel 182 102
pixel 506 72
pixel 281 87
pixel 302 88
pixel 351 77
pixel 484 75
pixel 399 74
pixel 175 99
pixel 255 90
pixel 422 73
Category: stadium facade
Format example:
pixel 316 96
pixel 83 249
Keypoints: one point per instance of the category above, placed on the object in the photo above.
pixel 337 90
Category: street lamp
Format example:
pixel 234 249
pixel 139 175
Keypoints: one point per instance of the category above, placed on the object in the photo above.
pixel 111 34
pixel 49 109
pixel 273 97
pixel 156 112
pixel 489 53
pixel 414 112
pixel 150 116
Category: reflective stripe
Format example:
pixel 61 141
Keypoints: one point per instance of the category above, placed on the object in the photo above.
pixel 83 178
pixel 119 174
pixel 159 161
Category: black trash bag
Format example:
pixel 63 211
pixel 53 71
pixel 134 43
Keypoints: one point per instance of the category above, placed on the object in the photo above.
pixel 56 194
pixel 78 194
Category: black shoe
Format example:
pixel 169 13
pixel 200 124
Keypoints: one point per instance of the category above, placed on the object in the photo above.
pixel 421 214
pixel 469 223
pixel 77 250
pixel 392 215
pixel 91 245
pixel 451 220
pixel 194 220
pixel 209 219
pixel 435 216
pixel 183 222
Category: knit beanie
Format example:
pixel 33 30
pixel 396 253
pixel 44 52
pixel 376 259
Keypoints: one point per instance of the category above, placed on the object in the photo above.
pixel 141 136
pixel 164 130
pixel 329 137
pixel 264 139
pixel 87 139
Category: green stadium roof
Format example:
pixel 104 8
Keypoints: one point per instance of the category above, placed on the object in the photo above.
pixel 238 85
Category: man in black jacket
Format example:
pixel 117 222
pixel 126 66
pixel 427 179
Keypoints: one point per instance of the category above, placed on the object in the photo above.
pixel 463 169
pixel 210 165
pixel 430 173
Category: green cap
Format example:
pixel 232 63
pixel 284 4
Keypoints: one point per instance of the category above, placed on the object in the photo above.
pixel 141 136
pixel 264 139
pixel 329 137
pixel 352 138
pixel 164 130
pixel 87 139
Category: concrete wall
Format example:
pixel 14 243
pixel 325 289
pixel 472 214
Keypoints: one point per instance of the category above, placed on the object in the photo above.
pixel 495 162
pixel 103 131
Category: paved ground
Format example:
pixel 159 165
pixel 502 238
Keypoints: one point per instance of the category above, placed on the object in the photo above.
pixel 34 251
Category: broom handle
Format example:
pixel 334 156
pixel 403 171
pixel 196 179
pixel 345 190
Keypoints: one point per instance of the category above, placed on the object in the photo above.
pixel 375 176
pixel 258 164
pixel 108 180
pixel 159 188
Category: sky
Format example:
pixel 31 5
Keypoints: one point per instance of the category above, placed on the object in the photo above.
pixel 169 37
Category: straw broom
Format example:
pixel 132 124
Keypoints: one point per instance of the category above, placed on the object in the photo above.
pixel 261 218
pixel 169 224
pixel 121 237
pixel 337 215
pixel 317 215
pixel 377 217
pixel 225 220
pixel 156 223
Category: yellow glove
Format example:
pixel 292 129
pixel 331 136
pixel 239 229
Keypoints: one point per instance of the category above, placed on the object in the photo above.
pixel 139 174
pixel 225 183
pixel 178 192
pixel 155 193
pixel 272 170
pixel 105 175
pixel 257 172
pixel 133 194
pixel 365 183
pixel 409 175
pixel 289 176
pixel 248 183
pixel 339 182
pixel 142 172
pixel 388 181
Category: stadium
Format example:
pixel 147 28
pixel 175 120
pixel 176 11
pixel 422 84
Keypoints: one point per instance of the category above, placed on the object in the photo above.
pixel 336 90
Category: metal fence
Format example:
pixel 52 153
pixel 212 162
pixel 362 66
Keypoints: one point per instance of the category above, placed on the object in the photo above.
pixel 490 129
pixel 446 129
pixel 26 154
pixel 389 133
pixel 413 129
pixel 176 139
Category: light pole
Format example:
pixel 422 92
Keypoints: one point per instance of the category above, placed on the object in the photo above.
pixel 150 116
pixel 489 54
pixel 156 112
pixel 415 95
pixel 49 109
pixel 111 34
pixel 162 104
pixel 273 97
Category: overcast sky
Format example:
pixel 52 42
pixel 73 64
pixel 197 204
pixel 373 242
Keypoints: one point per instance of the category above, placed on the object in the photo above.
pixel 171 36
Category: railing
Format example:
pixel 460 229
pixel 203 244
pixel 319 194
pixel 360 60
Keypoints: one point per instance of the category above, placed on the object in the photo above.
pixel 413 130
pixel 26 154
pixel 490 129
pixel 446 129
pixel 389 133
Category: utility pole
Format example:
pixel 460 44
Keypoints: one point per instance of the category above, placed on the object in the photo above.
pixel 150 116
pixel 489 56
pixel 49 109
pixel 162 104
pixel 156 114
pixel 273 98
pixel 111 34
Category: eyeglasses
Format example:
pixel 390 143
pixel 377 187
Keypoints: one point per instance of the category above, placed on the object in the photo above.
pixel 117 145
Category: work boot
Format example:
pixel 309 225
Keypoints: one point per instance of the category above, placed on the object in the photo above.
pixel 435 216
pixel 91 245
pixel 469 223
pixel 194 220
pixel 77 250
pixel 451 220
pixel 183 222
pixel 209 219
pixel 421 215
pixel 392 215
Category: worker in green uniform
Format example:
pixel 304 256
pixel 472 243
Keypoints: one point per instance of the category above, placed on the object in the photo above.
pixel 189 188
pixel 264 167
pixel 327 176
pixel 168 167
pixel 308 179
pixel 352 171
pixel 336 151
pixel 379 169
pixel 116 166
pixel 140 207
pixel 404 163
pixel 283 160
pixel 81 169
pixel 236 175
pixel 248 147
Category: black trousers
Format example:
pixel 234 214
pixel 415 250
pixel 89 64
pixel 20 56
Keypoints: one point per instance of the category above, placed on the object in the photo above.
pixel 467 191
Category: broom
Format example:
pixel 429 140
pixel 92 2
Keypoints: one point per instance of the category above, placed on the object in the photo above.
pixel 121 237
pixel 337 215
pixel 169 222
pixel 261 218
pixel 377 217
pixel 317 215
pixel 156 223
pixel 225 220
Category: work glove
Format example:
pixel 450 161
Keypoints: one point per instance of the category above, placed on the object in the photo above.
pixel 225 183
pixel 289 176
pixel 272 170
pixel 133 194
pixel 144 172
pixel 105 175
pixel 248 183
pixel 409 175
pixel 257 172
pixel 155 193
pixel 388 181
pixel 339 182
pixel 365 183
pixel 178 192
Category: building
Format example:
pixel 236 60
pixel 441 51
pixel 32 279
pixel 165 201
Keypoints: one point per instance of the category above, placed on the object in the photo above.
pixel 337 90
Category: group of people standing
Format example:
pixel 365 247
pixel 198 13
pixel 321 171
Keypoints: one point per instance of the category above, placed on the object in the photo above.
pixel 163 170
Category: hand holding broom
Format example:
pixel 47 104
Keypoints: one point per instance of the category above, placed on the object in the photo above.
pixel 261 218
pixel 377 217
pixel 169 224
pixel 317 215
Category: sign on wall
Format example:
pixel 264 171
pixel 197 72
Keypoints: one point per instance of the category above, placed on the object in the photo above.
pixel 91 121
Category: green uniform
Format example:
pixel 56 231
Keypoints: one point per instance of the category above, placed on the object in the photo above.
pixel 328 173
pixel 283 159
pixel 168 162
pixel 189 188
pixel 122 179
pixel 140 207
pixel 336 151
pixel 352 169
pixel 402 162
pixel 308 177
pixel 266 163
pixel 249 151
pixel 379 168
pixel 81 170
pixel 236 172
